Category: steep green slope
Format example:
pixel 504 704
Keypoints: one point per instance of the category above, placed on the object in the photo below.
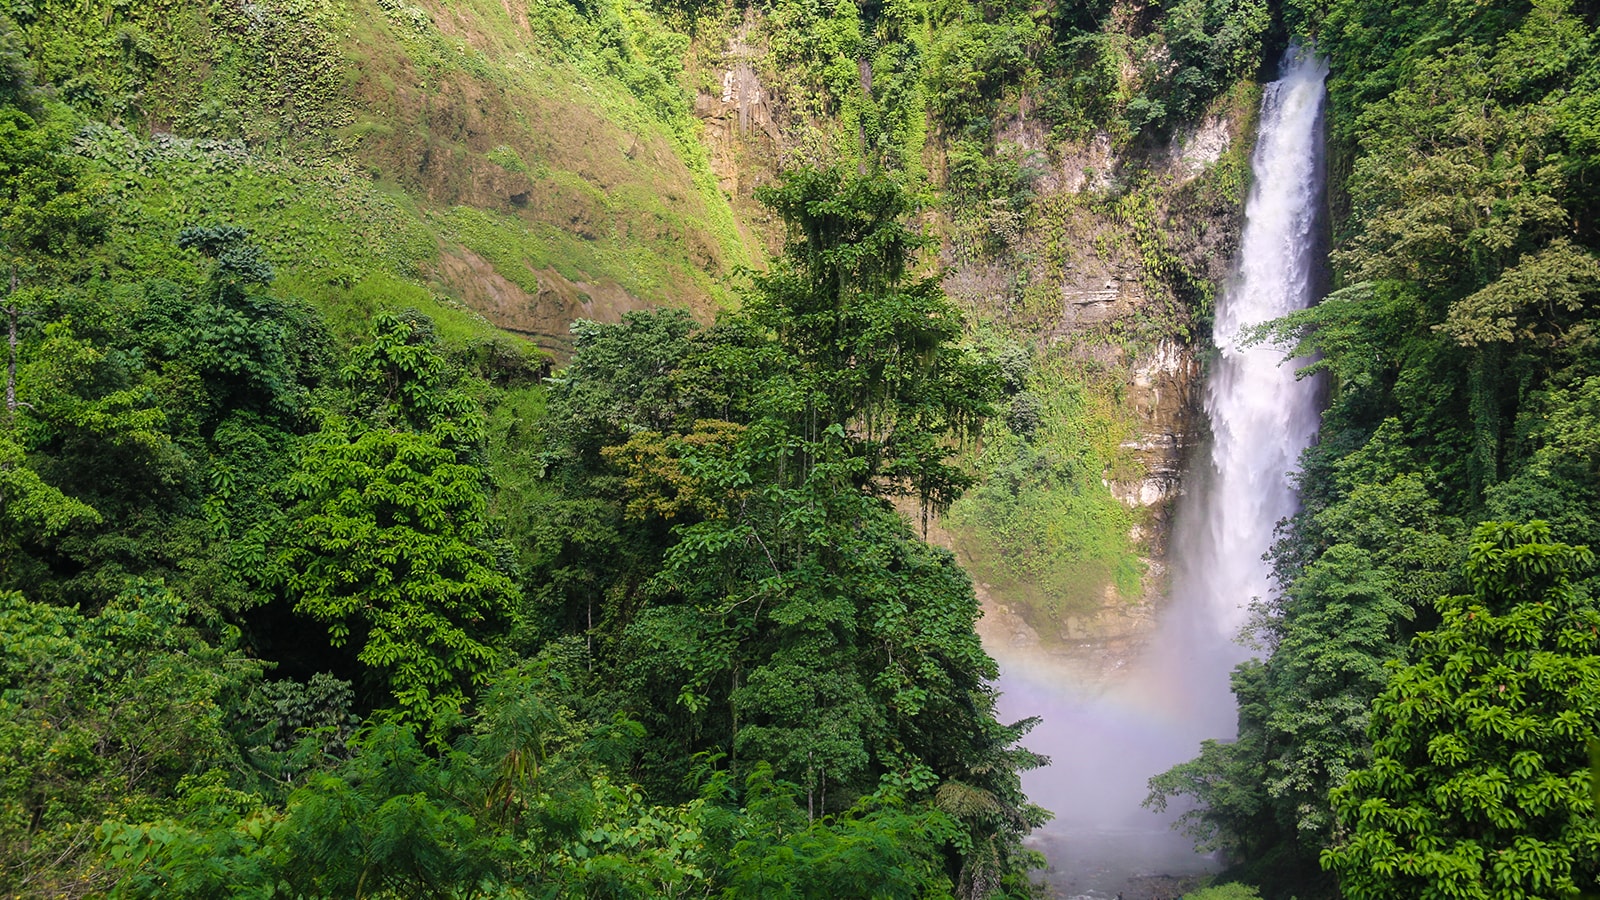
pixel 536 163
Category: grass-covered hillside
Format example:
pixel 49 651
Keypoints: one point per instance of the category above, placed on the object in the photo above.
pixel 536 164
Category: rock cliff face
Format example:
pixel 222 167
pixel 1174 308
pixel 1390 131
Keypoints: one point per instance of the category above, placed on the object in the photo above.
pixel 1151 233
pixel 1111 264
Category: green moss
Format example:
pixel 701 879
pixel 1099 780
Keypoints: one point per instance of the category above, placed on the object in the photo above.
pixel 1042 527
pixel 508 159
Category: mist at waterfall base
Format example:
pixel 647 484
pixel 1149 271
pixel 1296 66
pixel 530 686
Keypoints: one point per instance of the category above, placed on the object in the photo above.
pixel 1106 741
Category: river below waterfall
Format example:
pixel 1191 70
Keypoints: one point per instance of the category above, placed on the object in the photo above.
pixel 1107 740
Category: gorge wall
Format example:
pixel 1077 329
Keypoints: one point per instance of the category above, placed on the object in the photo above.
pixel 1145 236
pixel 1094 258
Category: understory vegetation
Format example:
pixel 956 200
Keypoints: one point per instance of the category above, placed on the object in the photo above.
pixel 1040 526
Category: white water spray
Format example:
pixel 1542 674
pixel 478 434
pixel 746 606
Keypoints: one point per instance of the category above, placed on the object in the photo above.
pixel 1106 746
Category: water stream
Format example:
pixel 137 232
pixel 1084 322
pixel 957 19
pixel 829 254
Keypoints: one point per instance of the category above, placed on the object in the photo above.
pixel 1106 742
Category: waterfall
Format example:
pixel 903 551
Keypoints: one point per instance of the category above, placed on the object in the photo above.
pixel 1106 745
pixel 1261 418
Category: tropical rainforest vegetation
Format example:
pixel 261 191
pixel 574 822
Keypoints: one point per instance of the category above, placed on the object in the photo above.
pixel 315 583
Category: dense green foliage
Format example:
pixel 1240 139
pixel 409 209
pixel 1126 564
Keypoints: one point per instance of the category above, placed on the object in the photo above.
pixel 1052 537
pixel 1479 780
pixel 763 597
pixel 312 586
pixel 1459 347
pixel 104 717
pixel 292 612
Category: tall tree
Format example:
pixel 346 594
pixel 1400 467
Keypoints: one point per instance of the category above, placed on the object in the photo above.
pixel 871 345
pixel 387 541
pixel 772 605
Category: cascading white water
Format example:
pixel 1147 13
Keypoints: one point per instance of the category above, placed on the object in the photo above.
pixel 1107 744
pixel 1261 417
